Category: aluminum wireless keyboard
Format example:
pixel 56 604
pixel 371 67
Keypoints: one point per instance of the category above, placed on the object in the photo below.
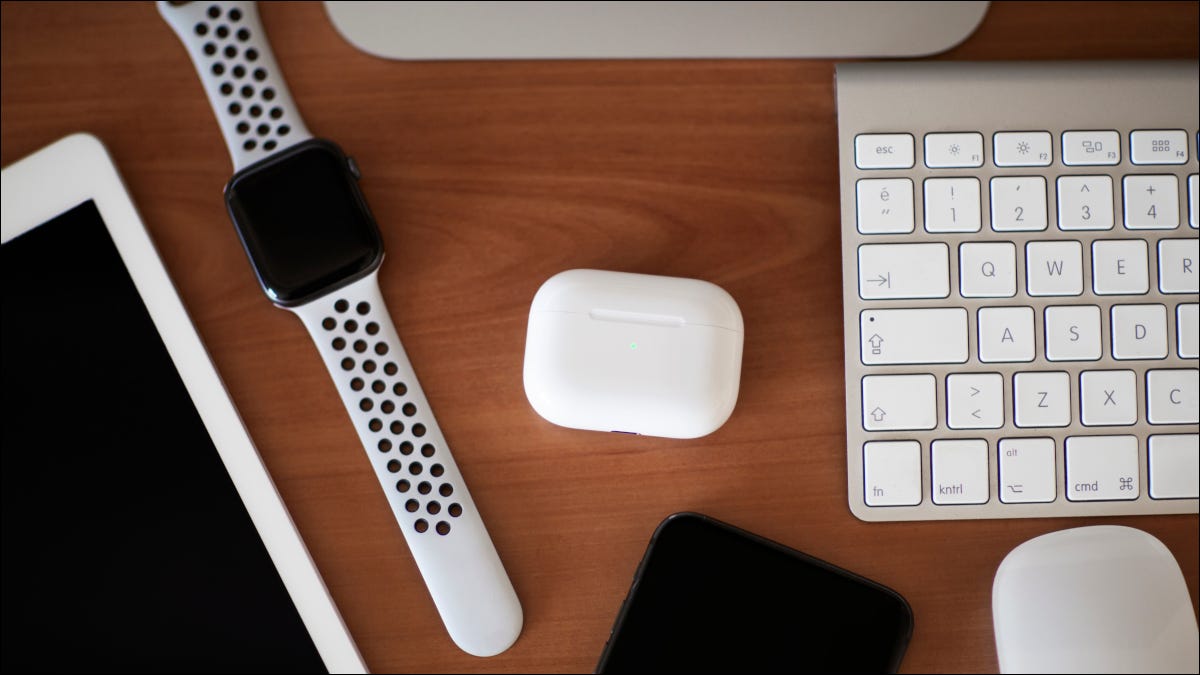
pixel 1020 263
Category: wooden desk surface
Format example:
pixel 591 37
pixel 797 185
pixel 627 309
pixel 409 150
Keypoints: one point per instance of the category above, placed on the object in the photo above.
pixel 487 178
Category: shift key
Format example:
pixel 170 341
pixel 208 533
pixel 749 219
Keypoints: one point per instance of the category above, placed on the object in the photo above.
pixel 903 336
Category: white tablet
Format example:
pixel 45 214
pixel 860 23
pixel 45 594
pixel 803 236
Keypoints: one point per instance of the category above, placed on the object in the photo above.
pixel 141 531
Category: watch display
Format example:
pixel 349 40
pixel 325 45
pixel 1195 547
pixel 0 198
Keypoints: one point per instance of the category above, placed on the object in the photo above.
pixel 303 222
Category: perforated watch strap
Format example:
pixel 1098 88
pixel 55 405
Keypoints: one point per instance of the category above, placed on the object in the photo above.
pixel 244 84
pixel 410 457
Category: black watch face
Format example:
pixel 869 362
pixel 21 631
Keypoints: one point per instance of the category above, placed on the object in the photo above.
pixel 304 222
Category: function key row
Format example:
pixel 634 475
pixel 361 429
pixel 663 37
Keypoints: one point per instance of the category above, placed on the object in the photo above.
pixel 1020 148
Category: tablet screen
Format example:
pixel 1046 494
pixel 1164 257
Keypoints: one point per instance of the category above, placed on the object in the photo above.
pixel 125 544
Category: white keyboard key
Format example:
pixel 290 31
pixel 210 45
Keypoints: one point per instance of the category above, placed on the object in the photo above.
pixel 1085 203
pixel 1193 195
pixel 1158 146
pixel 959 471
pixel 1179 265
pixel 1027 471
pixel 885 206
pixel 1102 468
pixel 889 271
pixel 1139 332
pixel 899 336
pixel 952 205
pixel 1073 333
pixel 1120 267
pixel 1109 397
pixel 1054 267
pixel 892 473
pixel 893 402
pixel 1173 396
pixel 1091 148
pixel 1151 202
pixel 1018 204
pixel 975 400
pixel 1005 334
pixel 987 270
pixel 1022 148
pixel 1187 328
pixel 1042 399
pixel 1175 466
pixel 883 151
pixel 953 151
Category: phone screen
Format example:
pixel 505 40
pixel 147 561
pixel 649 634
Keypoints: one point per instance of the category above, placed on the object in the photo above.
pixel 709 597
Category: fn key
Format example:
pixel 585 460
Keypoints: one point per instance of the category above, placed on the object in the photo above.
pixel 892 473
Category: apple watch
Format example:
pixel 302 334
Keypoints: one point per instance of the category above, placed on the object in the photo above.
pixel 316 249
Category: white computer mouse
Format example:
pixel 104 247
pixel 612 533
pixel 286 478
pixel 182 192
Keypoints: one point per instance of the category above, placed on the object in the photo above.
pixel 1103 599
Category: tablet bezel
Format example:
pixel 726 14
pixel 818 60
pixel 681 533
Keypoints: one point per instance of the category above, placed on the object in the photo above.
pixel 78 168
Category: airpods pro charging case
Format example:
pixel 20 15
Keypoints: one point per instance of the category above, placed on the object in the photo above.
pixel 633 353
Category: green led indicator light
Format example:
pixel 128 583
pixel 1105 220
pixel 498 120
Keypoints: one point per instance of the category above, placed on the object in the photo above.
pixel 633 345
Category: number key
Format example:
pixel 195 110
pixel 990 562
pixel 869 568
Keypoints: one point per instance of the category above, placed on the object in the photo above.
pixel 1018 203
pixel 1151 202
pixel 1085 203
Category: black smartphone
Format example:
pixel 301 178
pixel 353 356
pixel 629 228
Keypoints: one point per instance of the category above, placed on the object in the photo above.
pixel 709 597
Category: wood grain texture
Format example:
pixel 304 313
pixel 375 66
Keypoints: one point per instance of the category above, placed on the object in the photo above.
pixel 487 178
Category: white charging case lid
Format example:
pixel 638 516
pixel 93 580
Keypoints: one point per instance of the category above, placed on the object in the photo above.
pixel 633 353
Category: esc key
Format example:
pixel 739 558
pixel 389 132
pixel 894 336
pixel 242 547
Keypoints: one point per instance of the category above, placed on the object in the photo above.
pixel 883 151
